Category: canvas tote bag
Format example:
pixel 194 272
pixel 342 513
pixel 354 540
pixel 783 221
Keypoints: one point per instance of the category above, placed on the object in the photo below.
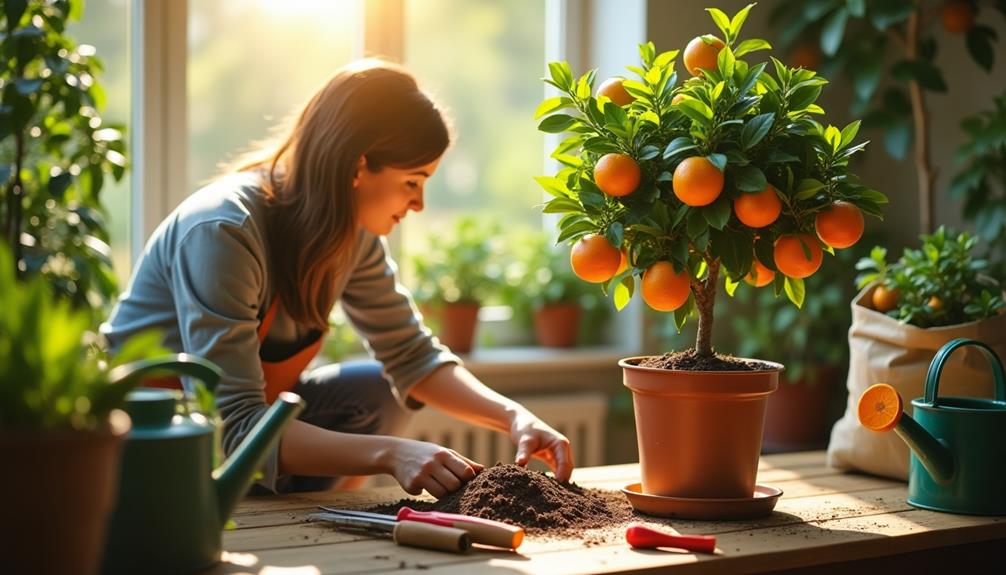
pixel 884 350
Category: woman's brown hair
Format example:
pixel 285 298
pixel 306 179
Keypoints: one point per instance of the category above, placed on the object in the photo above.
pixel 368 108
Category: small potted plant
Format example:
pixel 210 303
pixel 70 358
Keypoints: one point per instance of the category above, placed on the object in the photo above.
pixel 60 427
pixel 905 312
pixel 704 182
pixel 454 275
pixel 542 289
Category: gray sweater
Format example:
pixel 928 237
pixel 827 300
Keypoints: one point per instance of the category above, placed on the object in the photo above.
pixel 203 280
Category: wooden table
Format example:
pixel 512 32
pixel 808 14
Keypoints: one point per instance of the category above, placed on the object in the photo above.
pixel 826 521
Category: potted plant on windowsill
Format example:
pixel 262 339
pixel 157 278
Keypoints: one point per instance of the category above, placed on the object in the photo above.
pixel 61 429
pixel 724 176
pixel 454 275
pixel 543 291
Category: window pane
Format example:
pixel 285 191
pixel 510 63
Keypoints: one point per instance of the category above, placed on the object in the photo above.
pixel 484 67
pixel 251 63
pixel 105 25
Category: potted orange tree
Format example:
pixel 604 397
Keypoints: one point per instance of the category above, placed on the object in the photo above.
pixel 721 178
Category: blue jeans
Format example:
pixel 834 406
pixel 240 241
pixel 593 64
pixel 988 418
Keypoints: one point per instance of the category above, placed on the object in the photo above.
pixel 349 397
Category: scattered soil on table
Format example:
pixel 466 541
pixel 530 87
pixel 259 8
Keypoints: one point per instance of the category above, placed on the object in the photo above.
pixel 536 502
pixel 688 360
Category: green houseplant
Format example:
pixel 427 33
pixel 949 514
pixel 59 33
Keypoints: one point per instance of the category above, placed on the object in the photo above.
pixel 55 153
pixel 543 291
pixel 981 183
pixel 722 176
pixel 454 274
pixel 887 50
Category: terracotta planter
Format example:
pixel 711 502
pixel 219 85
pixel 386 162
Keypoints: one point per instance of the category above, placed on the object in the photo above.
pixel 557 324
pixel 58 490
pixel 699 432
pixel 458 321
pixel 799 415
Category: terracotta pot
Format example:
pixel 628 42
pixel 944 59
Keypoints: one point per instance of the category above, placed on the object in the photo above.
pixel 59 488
pixel 458 321
pixel 699 432
pixel 799 415
pixel 557 324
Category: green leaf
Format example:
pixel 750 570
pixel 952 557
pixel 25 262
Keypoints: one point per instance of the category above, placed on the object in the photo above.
pixel 718 160
pixel 808 188
pixel 615 234
pixel 561 75
pixel 721 20
pixel 717 214
pixel 856 8
pixel 730 285
pixel 833 31
pixel 755 129
pixel 749 179
pixel 575 229
pixel 726 62
pixel 678 145
pixel 681 314
pixel 803 97
pixel 925 73
pixel 14 9
pixel 866 75
pixel 696 223
pixel 590 195
pixel 885 13
pixel 26 86
pixel 795 291
pixel 561 206
pixel 738 20
pixel 557 123
pixel 623 292
pixel 751 45
pixel 979 42
pixel 697 111
pixel 849 134
pixel 551 105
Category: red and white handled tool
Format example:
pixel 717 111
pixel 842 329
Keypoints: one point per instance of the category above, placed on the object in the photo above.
pixel 643 537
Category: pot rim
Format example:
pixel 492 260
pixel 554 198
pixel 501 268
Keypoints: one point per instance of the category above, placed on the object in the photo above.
pixel 624 364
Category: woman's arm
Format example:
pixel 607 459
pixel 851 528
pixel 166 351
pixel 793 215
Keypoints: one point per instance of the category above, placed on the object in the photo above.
pixel 306 449
pixel 457 391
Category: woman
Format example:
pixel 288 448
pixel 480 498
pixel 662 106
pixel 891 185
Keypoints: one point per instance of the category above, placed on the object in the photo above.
pixel 246 270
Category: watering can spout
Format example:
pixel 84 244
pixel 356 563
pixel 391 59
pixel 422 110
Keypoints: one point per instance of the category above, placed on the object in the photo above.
pixel 232 479
pixel 881 409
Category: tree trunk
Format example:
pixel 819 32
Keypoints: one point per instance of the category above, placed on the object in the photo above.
pixel 924 171
pixel 705 297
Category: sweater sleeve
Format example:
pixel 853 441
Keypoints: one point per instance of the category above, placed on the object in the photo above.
pixel 383 313
pixel 216 278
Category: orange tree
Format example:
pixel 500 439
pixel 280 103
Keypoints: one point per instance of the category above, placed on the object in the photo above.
pixel 724 175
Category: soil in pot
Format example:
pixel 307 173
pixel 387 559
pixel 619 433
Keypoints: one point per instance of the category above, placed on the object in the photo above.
pixel 688 360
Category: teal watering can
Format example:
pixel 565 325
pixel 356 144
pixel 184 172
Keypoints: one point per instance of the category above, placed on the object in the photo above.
pixel 958 460
pixel 172 505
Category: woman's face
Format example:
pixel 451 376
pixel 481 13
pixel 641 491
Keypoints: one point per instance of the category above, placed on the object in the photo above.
pixel 384 197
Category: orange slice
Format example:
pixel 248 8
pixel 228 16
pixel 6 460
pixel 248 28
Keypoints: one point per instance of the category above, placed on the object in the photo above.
pixel 880 407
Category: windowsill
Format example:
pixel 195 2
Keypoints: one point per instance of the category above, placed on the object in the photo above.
pixel 539 369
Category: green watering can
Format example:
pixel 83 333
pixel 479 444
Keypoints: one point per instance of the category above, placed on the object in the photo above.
pixel 172 505
pixel 958 461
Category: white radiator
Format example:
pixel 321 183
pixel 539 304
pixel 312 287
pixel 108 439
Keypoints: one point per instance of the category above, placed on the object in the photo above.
pixel 579 416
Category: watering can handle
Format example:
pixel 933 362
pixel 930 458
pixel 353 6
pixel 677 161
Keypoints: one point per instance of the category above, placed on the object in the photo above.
pixel 936 368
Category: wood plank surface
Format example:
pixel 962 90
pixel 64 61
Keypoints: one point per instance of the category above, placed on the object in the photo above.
pixel 824 516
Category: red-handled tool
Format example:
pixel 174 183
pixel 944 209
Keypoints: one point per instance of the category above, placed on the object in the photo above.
pixel 643 537
pixel 484 531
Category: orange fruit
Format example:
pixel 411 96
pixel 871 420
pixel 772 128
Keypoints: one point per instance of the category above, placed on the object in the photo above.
pixel 935 303
pixel 760 275
pixel 623 264
pixel 697 182
pixel 957 16
pixel 884 299
pixel 759 209
pixel 615 91
pixel 791 259
pixel 806 55
pixel 677 99
pixel 594 259
pixel 663 288
pixel 698 54
pixel 880 407
pixel 840 225
pixel 617 174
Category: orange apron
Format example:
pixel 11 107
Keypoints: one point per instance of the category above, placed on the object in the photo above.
pixel 280 375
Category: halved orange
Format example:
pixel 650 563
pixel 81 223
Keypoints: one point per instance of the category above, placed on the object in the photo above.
pixel 880 407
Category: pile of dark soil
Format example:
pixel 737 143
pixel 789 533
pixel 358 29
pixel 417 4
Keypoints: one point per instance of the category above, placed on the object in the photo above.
pixel 688 360
pixel 531 499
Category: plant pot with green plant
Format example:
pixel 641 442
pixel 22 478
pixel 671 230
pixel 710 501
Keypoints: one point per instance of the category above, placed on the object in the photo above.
pixel 722 177
pixel 61 429
pixel 905 312
pixel 454 275
pixel 543 291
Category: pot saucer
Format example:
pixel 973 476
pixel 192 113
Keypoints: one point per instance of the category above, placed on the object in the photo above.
pixel 759 505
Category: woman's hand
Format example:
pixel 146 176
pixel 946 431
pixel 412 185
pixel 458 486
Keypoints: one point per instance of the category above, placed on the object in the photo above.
pixel 418 465
pixel 535 438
